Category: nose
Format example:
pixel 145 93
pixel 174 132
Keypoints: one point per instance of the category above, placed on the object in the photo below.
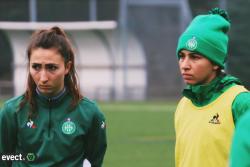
pixel 185 64
pixel 43 76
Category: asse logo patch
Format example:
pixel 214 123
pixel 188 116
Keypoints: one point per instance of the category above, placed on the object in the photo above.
pixel 191 44
pixel 68 127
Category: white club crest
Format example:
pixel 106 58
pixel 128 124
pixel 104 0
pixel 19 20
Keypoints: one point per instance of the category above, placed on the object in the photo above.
pixel 191 44
pixel 68 127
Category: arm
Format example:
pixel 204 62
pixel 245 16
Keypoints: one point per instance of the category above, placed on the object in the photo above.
pixel 241 144
pixel 7 134
pixel 240 105
pixel 97 141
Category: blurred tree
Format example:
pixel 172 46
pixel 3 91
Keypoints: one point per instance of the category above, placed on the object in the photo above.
pixel 14 10
pixel 5 58
pixel 198 6
pixel 53 10
pixel 239 59
pixel 65 10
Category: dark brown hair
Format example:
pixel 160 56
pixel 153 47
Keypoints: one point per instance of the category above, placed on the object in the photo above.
pixel 57 39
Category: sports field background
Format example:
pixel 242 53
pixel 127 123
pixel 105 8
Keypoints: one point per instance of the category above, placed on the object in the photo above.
pixel 140 134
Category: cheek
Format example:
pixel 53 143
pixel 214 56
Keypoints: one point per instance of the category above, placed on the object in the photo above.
pixel 34 75
pixel 180 64
pixel 58 77
pixel 199 71
pixel 204 71
pixel 57 80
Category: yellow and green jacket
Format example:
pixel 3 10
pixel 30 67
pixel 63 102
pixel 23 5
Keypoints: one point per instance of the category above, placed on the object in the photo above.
pixel 205 119
pixel 56 137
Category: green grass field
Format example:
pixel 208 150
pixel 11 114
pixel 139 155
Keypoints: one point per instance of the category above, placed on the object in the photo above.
pixel 140 134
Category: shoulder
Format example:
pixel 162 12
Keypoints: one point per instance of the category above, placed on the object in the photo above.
pixel 14 100
pixel 244 94
pixel 12 104
pixel 9 110
pixel 181 106
pixel 90 107
pixel 242 98
pixel 182 102
pixel 235 89
pixel 88 104
pixel 241 105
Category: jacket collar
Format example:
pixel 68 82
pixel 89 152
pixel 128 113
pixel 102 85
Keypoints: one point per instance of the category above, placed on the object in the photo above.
pixel 201 95
pixel 51 100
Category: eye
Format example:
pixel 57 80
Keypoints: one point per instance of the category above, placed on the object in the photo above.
pixel 36 67
pixel 51 67
pixel 180 55
pixel 195 56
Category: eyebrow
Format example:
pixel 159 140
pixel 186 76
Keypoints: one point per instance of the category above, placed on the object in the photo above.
pixel 194 53
pixel 45 64
pixel 191 53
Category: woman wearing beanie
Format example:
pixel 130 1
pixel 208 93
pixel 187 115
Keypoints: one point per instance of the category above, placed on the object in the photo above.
pixel 213 101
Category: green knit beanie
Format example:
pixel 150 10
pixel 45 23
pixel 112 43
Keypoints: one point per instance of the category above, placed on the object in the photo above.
pixel 207 35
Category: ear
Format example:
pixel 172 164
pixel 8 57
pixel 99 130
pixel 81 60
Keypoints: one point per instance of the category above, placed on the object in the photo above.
pixel 215 67
pixel 68 67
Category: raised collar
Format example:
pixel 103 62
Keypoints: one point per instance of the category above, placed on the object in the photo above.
pixel 202 95
pixel 51 100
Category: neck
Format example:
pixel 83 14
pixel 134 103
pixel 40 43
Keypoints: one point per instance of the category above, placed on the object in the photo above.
pixel 55 97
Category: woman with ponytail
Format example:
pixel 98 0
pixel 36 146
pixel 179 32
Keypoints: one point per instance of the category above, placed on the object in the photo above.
pixel 52 124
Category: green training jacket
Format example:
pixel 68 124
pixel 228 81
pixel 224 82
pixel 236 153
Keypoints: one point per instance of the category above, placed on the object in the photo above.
pixel 57 137
pixel 241 144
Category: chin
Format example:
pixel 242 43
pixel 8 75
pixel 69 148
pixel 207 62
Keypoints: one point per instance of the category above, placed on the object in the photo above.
pixel 190 82
pixel 46 93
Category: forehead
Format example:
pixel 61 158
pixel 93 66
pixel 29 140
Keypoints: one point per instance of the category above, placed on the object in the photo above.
pixel 41 55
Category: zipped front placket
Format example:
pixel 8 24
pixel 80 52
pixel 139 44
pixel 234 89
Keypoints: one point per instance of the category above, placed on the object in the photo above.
pixel 49 125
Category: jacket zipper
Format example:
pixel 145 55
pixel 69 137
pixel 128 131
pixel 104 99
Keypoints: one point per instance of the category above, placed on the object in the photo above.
pixel 49 126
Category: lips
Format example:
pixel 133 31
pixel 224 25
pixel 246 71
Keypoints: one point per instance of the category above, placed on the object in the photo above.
pixel 187 76
pixel 44 87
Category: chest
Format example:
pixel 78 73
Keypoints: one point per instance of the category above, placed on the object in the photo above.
pixel 204 125
pixel 53 129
